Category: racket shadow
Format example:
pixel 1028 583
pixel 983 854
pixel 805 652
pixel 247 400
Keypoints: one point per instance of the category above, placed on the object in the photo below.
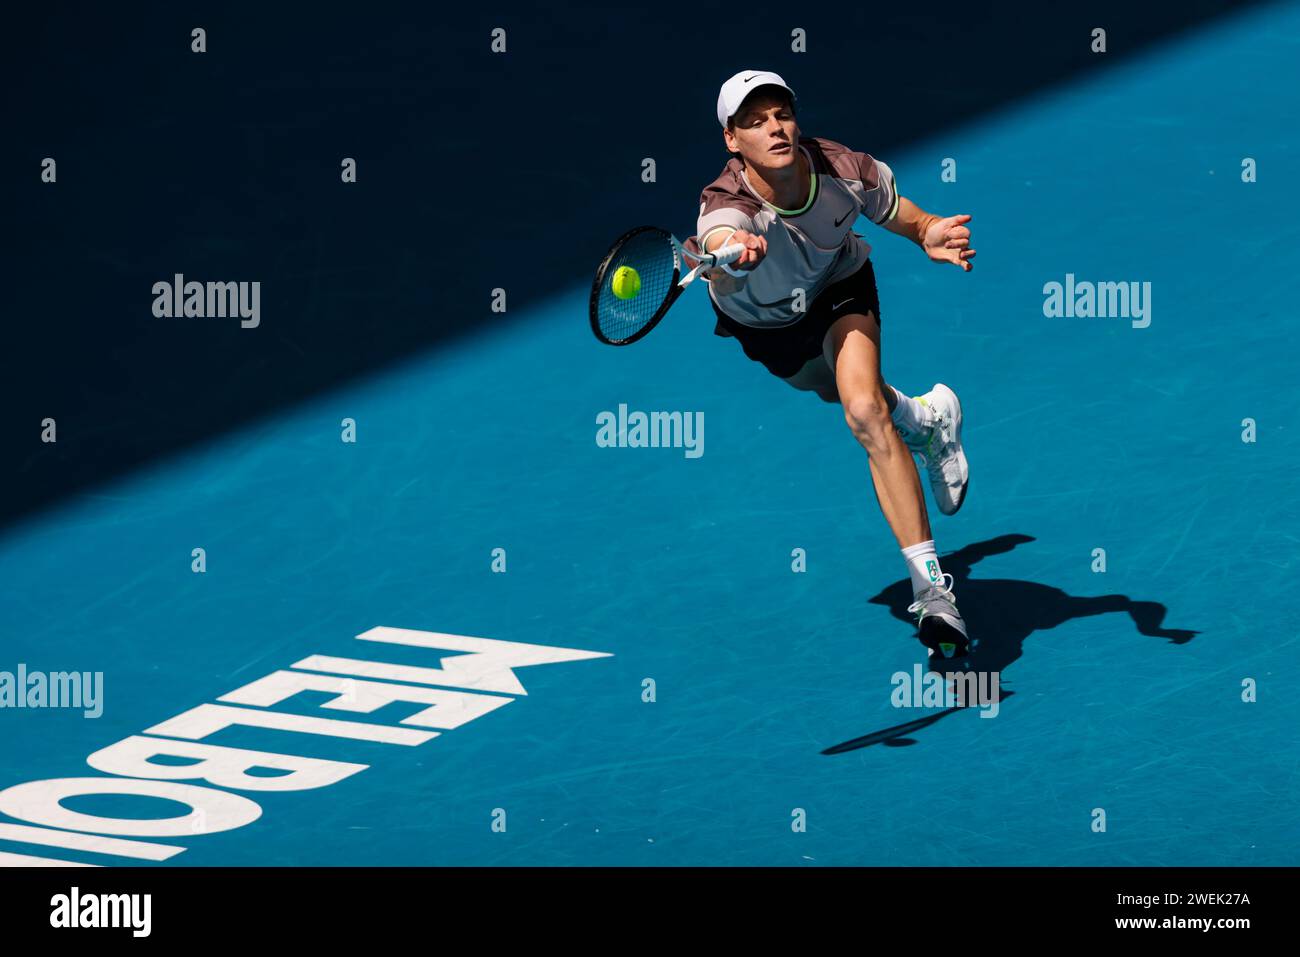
pixel 1002 613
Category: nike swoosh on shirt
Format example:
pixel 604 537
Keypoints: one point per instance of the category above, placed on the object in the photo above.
pixel 844 217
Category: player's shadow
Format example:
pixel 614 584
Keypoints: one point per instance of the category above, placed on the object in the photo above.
pixel 1002 613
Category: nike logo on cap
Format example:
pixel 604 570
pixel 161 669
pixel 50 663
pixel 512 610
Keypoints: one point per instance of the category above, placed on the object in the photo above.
pixel 748 78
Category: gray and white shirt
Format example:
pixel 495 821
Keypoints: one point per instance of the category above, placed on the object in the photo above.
pixel 807 248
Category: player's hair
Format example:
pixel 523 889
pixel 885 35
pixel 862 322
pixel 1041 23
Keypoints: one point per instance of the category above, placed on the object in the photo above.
pixel 767 89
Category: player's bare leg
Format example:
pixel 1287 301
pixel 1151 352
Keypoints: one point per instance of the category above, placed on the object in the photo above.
pixel 816 376
pixel 854 343
pixel 853 351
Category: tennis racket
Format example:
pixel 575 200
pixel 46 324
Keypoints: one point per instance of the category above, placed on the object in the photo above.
pixel 640 278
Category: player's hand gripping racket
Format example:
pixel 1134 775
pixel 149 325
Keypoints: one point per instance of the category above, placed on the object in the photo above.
pixel 640 278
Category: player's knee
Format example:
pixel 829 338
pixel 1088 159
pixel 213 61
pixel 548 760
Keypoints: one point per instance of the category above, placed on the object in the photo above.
pixel 868 418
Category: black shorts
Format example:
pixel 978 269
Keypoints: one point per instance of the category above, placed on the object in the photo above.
pixel 785 349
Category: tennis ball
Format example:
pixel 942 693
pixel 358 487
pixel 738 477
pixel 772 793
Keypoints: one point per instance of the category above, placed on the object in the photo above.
pixel 626 282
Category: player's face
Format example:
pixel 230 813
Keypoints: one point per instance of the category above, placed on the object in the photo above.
pixel 765 133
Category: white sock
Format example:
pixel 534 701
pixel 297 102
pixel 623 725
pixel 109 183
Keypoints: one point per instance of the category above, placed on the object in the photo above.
pixel 923 565
pixel 910 415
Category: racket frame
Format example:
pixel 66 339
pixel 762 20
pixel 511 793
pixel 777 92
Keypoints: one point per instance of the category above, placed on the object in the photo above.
pixel 719 257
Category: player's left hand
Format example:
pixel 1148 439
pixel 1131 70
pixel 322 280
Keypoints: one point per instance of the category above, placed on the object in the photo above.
pixel 948 241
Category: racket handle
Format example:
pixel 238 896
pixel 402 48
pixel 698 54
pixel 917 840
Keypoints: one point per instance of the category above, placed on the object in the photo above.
pixel 727 254
pixel 722 257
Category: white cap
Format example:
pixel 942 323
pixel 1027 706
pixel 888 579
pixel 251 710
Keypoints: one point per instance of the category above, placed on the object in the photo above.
pixel 735 90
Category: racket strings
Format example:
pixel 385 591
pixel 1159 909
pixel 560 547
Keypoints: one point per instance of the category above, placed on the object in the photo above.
pixel 651 254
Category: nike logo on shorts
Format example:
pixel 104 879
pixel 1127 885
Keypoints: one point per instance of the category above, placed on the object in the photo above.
pixel 838 304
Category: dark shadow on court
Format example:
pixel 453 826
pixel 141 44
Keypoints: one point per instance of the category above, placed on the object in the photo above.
pixel 1002 613
pixel 475 171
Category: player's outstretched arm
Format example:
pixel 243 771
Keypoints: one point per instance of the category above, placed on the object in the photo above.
pixel 944 239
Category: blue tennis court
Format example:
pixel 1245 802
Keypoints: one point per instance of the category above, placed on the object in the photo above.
pixel 716 706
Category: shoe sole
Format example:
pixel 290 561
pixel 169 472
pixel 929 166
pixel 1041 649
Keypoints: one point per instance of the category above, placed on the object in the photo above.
pixel 961 454
pixel 934 636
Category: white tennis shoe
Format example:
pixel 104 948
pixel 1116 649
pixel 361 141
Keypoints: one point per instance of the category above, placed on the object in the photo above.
pixel 939 448
pixel 939 624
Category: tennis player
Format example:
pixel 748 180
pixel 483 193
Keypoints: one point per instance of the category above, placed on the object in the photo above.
pixel 802 301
